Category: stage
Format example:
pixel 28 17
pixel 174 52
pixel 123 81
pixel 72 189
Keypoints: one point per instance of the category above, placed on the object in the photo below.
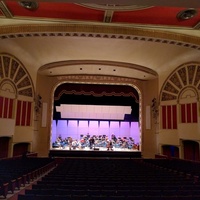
pixel 95 152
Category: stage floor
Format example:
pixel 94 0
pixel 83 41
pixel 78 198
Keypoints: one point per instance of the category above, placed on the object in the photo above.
pixel 95 152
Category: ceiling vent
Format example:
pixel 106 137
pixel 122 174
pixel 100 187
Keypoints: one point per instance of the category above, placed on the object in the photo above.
pixel 187 14
pixel 30 5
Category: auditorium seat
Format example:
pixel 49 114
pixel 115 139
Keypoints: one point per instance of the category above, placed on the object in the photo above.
pixel 14 173
pixel 99 197
pixel 82 178
pixel 80 197
pixel 25 197
pixel 4 189
pixel 62 197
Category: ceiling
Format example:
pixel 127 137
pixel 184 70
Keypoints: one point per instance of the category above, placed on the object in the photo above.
pixel 141 40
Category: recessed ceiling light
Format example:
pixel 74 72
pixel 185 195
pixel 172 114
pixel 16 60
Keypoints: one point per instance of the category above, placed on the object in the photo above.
pixel 30 5
pixel 187 14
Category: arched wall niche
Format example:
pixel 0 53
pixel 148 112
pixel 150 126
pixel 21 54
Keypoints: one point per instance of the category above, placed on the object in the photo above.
pixel 179 106
pixel 16 100
pixel 191 150
pixel 170 151
pixel 20 149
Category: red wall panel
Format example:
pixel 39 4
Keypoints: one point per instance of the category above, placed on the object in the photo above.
pixel 5 112
pixel 28 116
pixel 1 107
pixel 169 117
pixel 18 115
pixel 23 121
pixel 174 118
pixel 189 116
pixel 164 126
pixel 10 108
pixel 194 112
pixel 183 117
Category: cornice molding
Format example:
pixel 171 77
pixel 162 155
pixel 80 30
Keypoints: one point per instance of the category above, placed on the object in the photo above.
pixel 98 79
pixel 99 31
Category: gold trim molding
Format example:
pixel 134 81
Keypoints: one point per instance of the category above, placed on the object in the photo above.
pixel 98 79
pixel 99 31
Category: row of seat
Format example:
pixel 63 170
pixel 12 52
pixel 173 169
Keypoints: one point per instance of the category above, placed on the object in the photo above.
pixel 77 178
pixel 177 165
pixel 115 192
pixel 15 173
pixel 82 178
pixel 102 197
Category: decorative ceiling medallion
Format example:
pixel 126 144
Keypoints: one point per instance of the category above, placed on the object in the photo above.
pixel 114 7
pixel 187 14
pixel 30 5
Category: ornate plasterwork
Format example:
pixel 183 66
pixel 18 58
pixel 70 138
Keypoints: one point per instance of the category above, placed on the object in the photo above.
pixel 11 69
pixel 196 80
pixel 114 7
pixel 174 78
pixel 182 74
pixel 187 75
pixel 170 88
pixel 191 73
pixel 104 79
pixel 99 31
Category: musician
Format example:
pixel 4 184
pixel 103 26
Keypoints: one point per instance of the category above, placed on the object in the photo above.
pixel 74 144
pixel 113 137
pixel 70 143
pixel 109 145
pixel 91 141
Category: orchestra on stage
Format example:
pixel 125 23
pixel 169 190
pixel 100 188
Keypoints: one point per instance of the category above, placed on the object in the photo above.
pixel 96 142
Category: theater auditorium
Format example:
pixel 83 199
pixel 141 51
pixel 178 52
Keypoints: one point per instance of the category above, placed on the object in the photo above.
pixel 99 100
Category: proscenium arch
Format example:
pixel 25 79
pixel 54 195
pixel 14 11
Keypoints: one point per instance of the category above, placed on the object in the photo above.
pixel 97 83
